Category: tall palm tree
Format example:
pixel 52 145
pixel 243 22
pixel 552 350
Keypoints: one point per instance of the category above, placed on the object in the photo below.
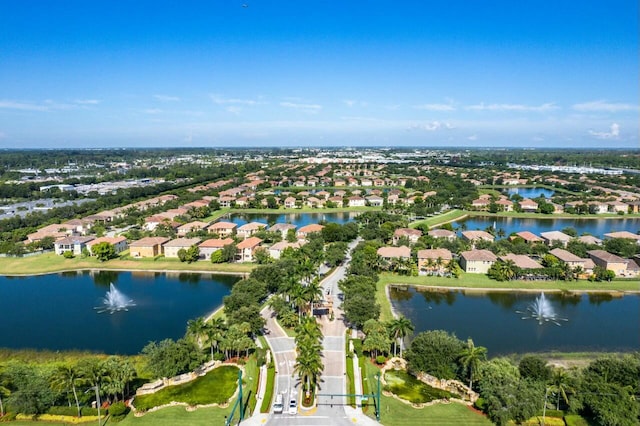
pixel 400 328
pixel 196 329
pixel 560 385
pixel 214 332
pixel 67 377
pixel 298 298
pixel 470 357
pixel 508 269
pixel 4 391
pixel 93 372
pixel 313 293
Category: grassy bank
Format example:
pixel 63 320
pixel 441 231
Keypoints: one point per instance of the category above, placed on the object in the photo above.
pixel 450 216
pixel 522 215
pixel 51 262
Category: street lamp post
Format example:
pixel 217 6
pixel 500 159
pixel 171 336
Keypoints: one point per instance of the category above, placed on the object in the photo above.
pixel 96 388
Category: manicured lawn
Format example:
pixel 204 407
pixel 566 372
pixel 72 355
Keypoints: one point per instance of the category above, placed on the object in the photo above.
pixel 449 216
pixel 50 262
pixel 397 413
pixel 411 389
pixel 172 416
pixel 268 393
pixel 216 387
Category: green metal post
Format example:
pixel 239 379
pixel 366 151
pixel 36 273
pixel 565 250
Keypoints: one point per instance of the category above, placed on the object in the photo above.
pixel 240 394
pixel 378 407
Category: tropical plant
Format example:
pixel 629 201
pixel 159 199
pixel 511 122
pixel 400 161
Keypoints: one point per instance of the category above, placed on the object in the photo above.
pixel 196 329
pixel 66 378
pixel 470 358
pixel 400 328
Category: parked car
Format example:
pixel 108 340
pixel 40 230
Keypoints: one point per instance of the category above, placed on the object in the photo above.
pixel 278 406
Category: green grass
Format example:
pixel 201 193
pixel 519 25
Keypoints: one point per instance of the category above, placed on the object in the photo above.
pixel 268 393
pixel 172 416
pixel 351 386
pixel 251 382
pixel 216 387
pixel 450 216
pixel 397 413
pixel 411 389
pixel 50 262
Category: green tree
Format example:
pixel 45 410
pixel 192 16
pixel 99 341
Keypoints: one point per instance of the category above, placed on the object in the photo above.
pixel 358 308
pixel 470 359
pixel 104 251
pixel 196 329
pixel 30 389
pixel 66 378
pixel 435 352
pixel 535 368
pixel 400 328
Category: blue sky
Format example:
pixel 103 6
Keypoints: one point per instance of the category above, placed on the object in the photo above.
pixel 308 73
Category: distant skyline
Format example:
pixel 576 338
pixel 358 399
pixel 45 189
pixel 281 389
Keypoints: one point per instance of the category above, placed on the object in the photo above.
pixel 225 73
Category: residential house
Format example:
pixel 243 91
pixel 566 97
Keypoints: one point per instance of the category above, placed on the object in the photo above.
pixel 528 206
pixel 171 248
pixel 357 201
pixel 147 247
pixel 315 202
pixel 567 257
pixel 552 237
pixel 191 227
pixel 305 231
pixel 338 201
pixel 55 231
pixel 246 249
pixel 609 261
pixel 480 203
pixel 618 207
pixel 598 207
pixel 528 237
pixel 590 239
pixel 375 201
pixel 223 229
pixel 411 234
pixel 477 261
pixel 623 234
pixel 442 233
pixel 433 260
pixel 248 229
pixel 390 252
pixel 282 228
pixel 226 201
pixel 212 245
pixel 119 243
pixel 505 205
pixel 73 244
pixel 275 251
pixel 473 236
pixel 290 203
pixel 521 261
pixel 78 226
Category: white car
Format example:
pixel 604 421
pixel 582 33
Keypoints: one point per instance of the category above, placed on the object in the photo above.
pixel 293 407
pixel 278 406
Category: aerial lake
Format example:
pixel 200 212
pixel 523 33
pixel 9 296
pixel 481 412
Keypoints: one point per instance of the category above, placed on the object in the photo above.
pixel 63 311
pixel 595 227
pixel 298 219
pixel 531 192
pixel 594 322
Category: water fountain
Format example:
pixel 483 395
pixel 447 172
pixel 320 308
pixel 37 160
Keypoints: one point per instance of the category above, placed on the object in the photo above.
pixel 115 301
pixel 542 311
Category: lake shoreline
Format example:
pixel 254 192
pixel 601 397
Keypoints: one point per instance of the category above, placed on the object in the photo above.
pixel 169 271
pixel 482 290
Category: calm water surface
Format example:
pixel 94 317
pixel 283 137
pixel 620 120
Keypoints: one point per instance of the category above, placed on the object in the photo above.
pixel 531 192
pixel 57 311
pixel 595 322
pixel 596 227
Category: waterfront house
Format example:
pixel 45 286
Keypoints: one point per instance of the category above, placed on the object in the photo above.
pixel 147 247
pixel 171 248
pixel 290 203
pixel 73 244
pixel 521 261
pixel 248 229
pixel 528 206
pixel 411 234
pixel 473 236
pixel 609 261
pixel 388 253
pixel 275 251
pixel 590 239
pixel 246 249
pixel 505 204
pixel 569 258
pixel 552 236
pixel 191 227
pixel 623 234
pixel 433 260
pixel 304 231
pixel 442 233
pixel 337 200
pixel 477 261
pixel 375 201
pixel 282 228
pixel 357 201
pixel 55 231
pixel 119 243
pixel 528 237
pixel 212 245
pixel 223 229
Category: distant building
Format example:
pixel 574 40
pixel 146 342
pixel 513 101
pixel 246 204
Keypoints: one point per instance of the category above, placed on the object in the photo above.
pixel 73 244
pixel 172 247
pixel 477 261
pixel 147 247
pixel 388 253
pixel 246 249
pixel 119 243
pixel 411 234
pixel 609 261
pixel 553 236
pixel 208 247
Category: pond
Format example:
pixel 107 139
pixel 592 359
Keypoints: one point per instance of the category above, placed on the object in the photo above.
pixel 595 322
pixel 595 227
pixel 531 192
pixel 298 219
pixel 58 311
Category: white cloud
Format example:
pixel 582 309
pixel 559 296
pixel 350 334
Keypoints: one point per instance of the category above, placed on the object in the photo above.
pixel 513 107
pixel 352 102
pixel 22 106
pixel 234 109
pixel 604 106
pixel 221 100
pixel 436 107
pixel 309 108
pixel 612 134
pixel 431 126
pixel 472 138
pixel 166 98
pixel 537 139
pixel 88 101
pixel 3 135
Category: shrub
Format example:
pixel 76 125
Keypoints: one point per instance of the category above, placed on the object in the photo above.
pixel 8 417
pixel 218 356
pixel 381 359
pixel 575 420
pixel 552 413
pixel 64 410
pixel 118 409
pixel 68 254
pixel 480 404
pixel 261 356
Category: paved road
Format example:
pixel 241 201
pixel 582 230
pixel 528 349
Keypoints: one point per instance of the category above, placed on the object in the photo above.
pixel 329 411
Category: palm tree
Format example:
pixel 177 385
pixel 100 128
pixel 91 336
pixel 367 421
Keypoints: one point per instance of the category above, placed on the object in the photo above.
pixel 196 329
pixel 93 372
pixel 508 269
pixel 297 296
pixel 213 332
pixel 313 293
pixel 470 357
pixel 400 328
pixel 66 377
pixel 4 391
pixel 559 385
pixel 308 367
